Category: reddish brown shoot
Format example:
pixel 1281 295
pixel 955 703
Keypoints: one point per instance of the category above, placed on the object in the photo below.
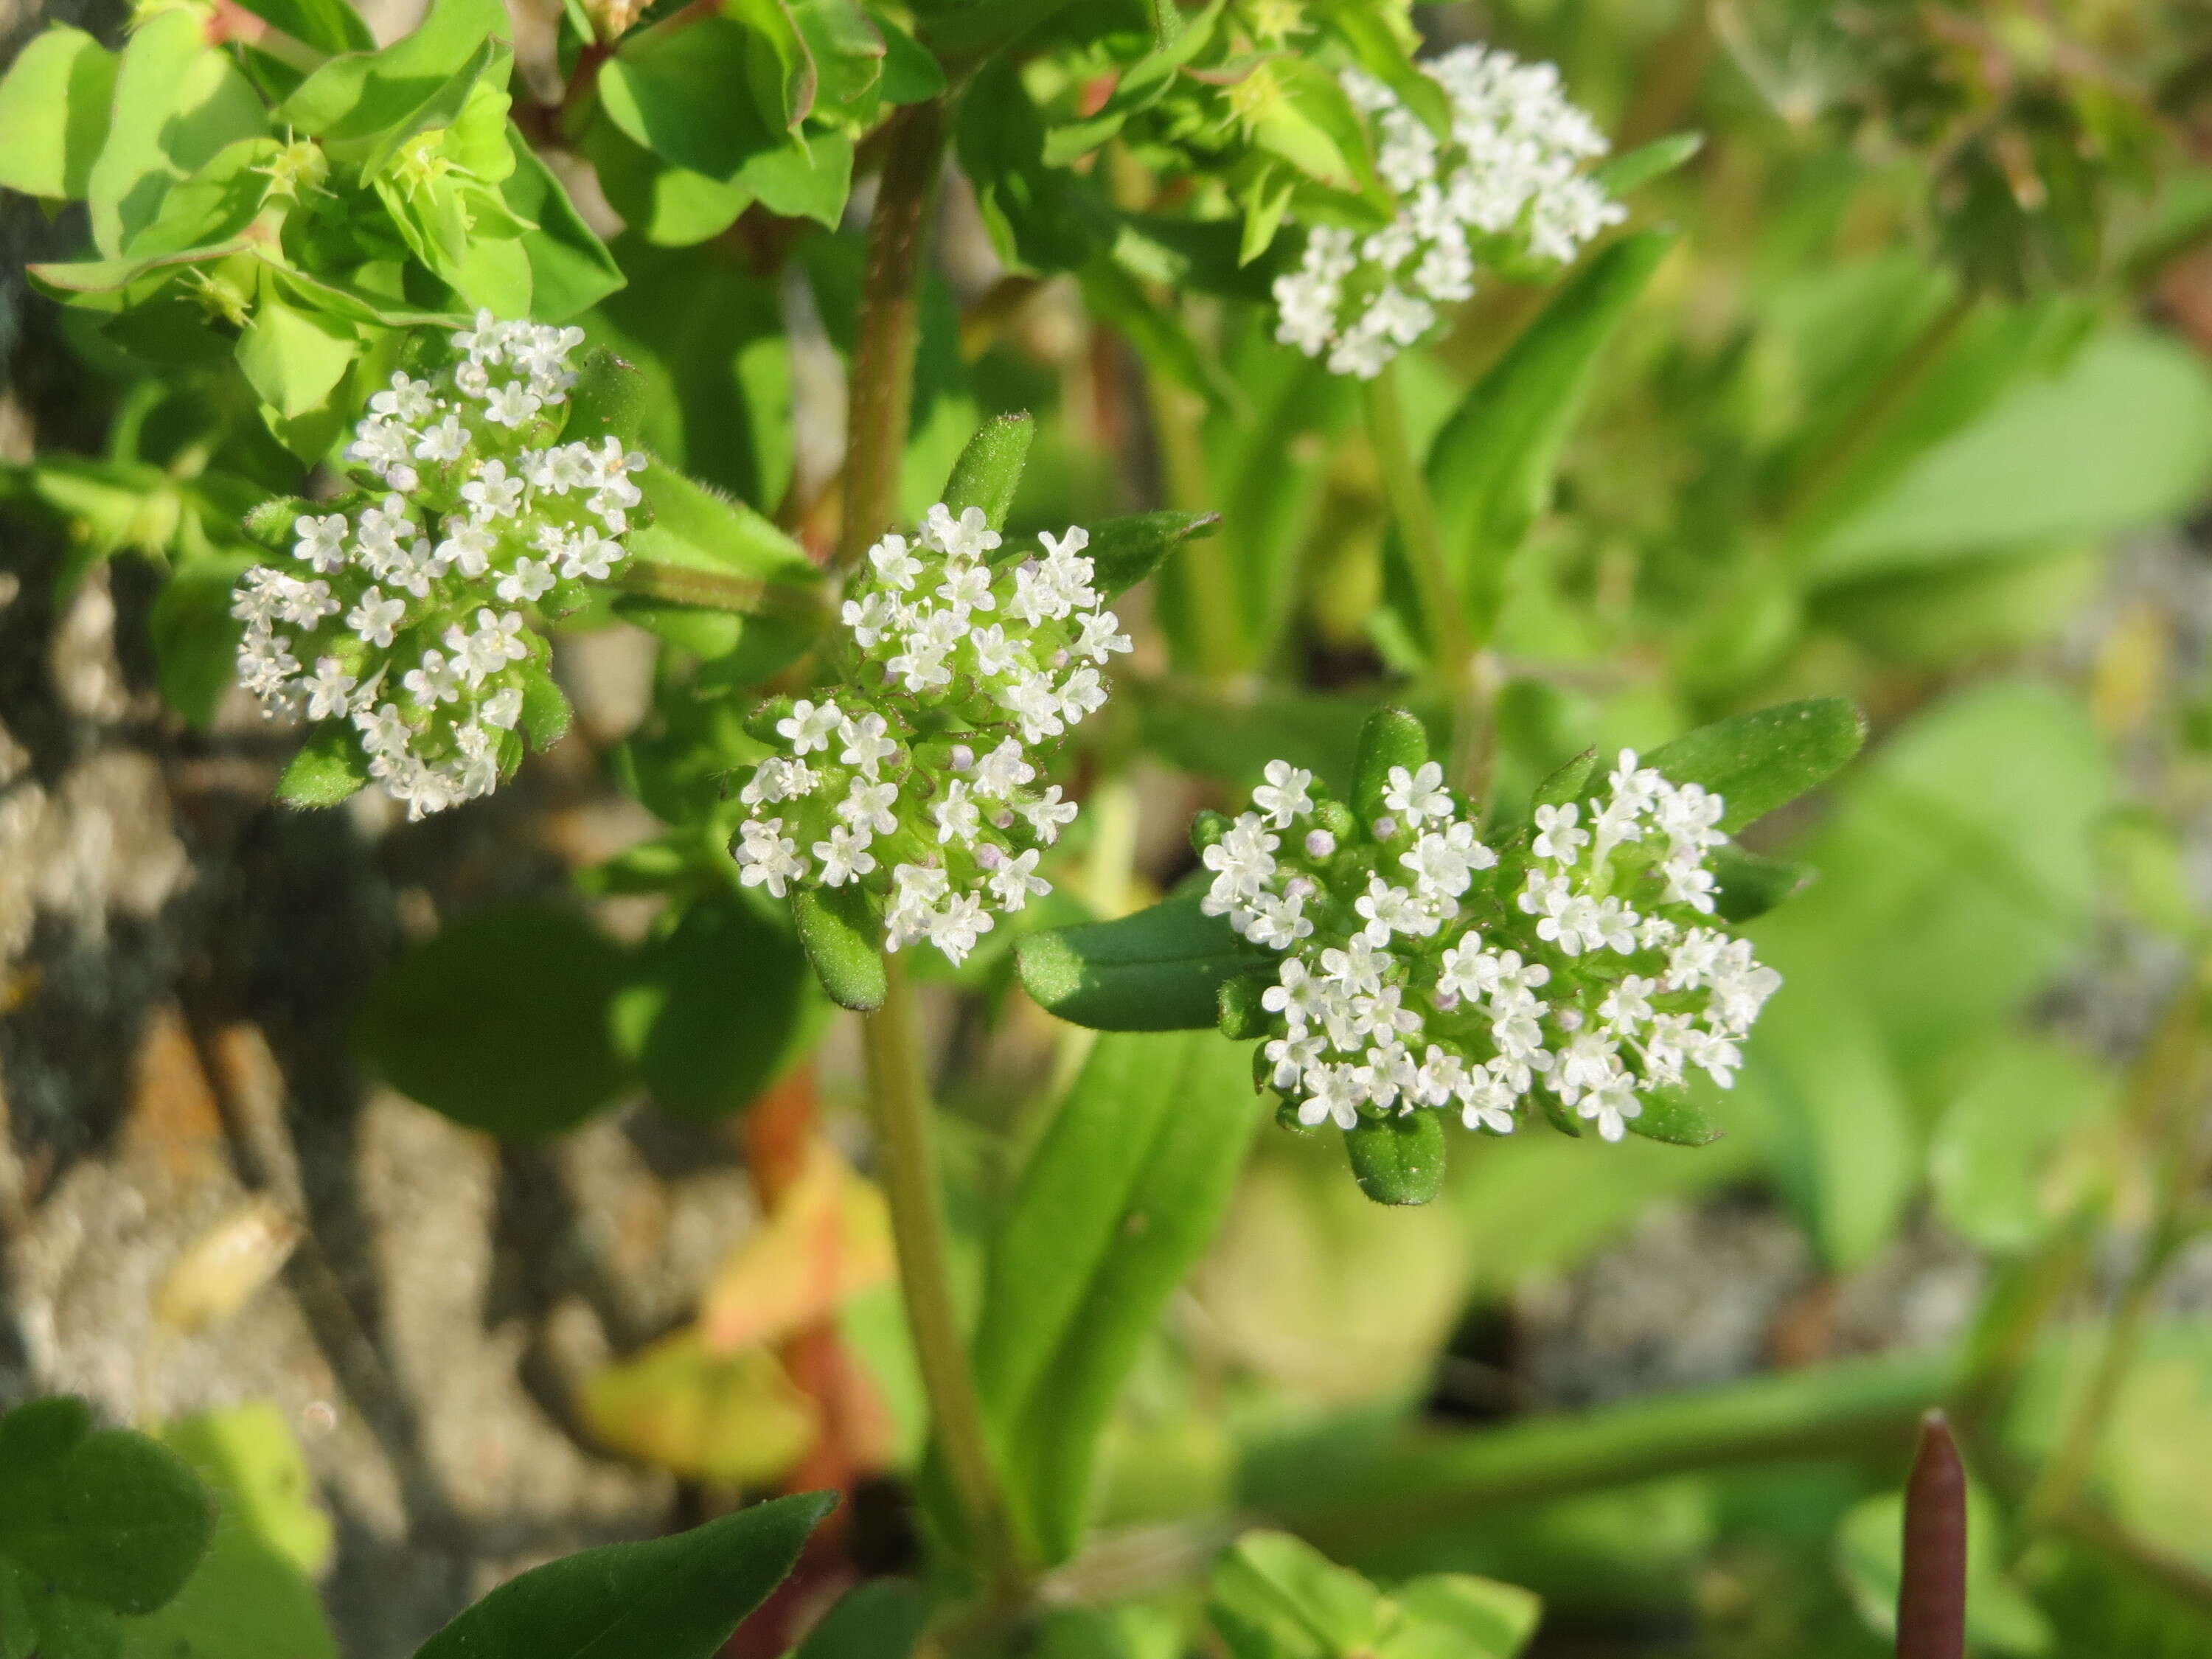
pixel 1931 1596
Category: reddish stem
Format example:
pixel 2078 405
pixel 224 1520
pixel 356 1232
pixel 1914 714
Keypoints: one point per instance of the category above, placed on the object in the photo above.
pixel 1931 1594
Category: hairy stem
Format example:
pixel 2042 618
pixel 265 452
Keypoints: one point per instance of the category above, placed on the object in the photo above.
pixel 1406 491
pixel 714 590
pixel 918 1227
pixel 889 322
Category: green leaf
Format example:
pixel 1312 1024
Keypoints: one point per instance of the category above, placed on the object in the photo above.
pixel 848 54
pixel 990 470
pixel 38 1620
pixel 672 89
pixel 809 178
pixel 54 113
pixel 293 359
pixel 663 205
pixel 720 1005
pixel 609 400
pixel 1618 174
pixel 570 269
pixel 328 769
pixel 1758 762
pixel 1751 885
pixel 710 343
pixel 1277 1597
pixel 696 526
pixel 673 1598
pixel 1121 1197
pixel 1126 550
pixel 502 1020
pixel 1160 970
pixel 881 1619
pixel 1491 467
pixel 2119 439
pixel 1398 1158
pixel 177 102
pixel 1392 740
pixel 1991 1159
pixel 780 68
pixel 910 74
pixel 1676 1118
pixel 844 941
pixel 106 1515
pixel 330 26
pixel 545 710
pixel 194 635
pixel 1497 1620
pixel 362 106
pixel 1570 783
pixel 253 1596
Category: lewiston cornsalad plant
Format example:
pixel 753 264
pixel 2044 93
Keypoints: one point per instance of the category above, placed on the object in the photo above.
pixel 413 614
pixel 1504 184
pixel 347 280
pixel 914 782
pixel 1421 971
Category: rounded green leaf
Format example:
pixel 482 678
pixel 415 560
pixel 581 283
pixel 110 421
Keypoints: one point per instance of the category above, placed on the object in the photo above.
pixel 502 1020
pixel 1399 1159
pixel 328 769
pixel 107 1516
pixel 843 940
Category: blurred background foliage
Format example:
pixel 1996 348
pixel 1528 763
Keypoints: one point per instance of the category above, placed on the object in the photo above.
pixel 1897 388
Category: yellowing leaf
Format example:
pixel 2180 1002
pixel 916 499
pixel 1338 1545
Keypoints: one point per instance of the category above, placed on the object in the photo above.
pixel 731 1418
pixel 827 1241
pixel 221 1269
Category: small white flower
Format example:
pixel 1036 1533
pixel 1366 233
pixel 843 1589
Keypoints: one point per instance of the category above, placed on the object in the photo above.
pixel 1419 795
pixel 1283 796
pixel 322 541
pixel 374 617
pixel 1048 814
pixel 845 856
pixel 1014 881
pixel 809 726
pixel 866 745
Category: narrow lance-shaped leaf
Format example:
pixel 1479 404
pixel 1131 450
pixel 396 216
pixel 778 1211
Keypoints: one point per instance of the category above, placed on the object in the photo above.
pixel 1160 970
pixel 1126 550
pixel 1121 1197
pixel 990 470
pixel 1491 467
pixel 1758 762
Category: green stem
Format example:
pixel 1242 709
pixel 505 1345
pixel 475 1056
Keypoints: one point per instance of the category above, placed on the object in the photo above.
pixel 918 1227
pixel 1406 491
pixel 1200 570
pixel 1416 1483
pixel 882 405
pixel 714 590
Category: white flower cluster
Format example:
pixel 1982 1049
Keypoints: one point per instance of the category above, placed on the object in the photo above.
pixel 990 657
pixel 408 613
pixel 1507 180
pixel 1420 971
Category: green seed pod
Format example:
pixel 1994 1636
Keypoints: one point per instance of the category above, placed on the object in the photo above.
pixel 1400 1159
